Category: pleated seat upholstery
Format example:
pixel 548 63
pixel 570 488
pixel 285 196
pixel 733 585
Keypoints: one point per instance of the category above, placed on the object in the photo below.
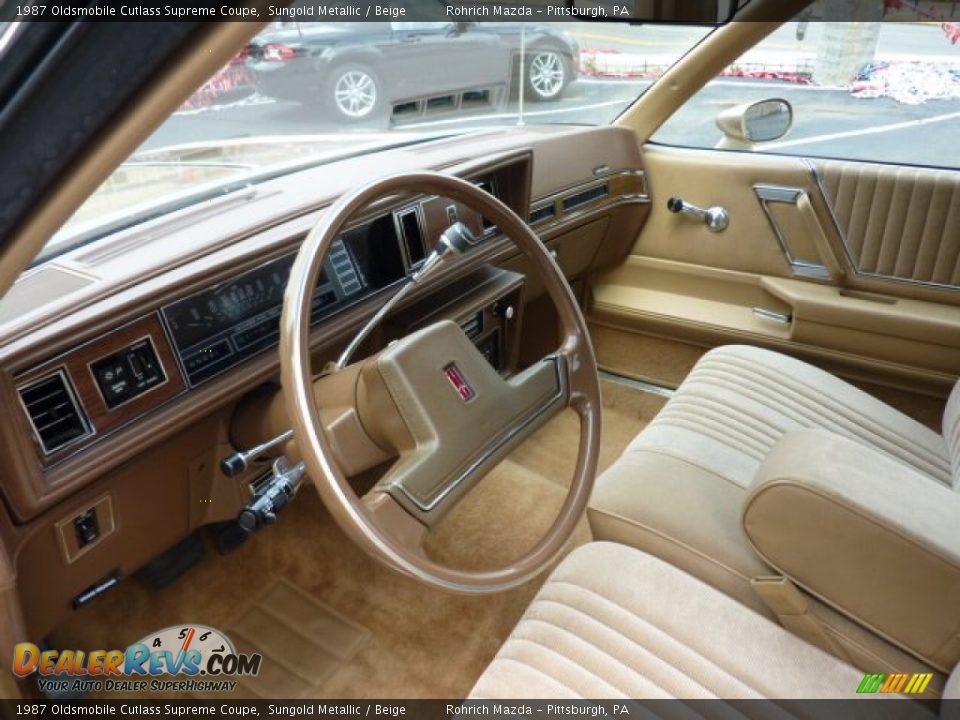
pixel 614 622
pixel 678 490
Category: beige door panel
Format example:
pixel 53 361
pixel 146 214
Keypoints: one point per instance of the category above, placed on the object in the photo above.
pixel 933 324
pixel 899 227
pixel 792 272
pixel 777 213
pixel 910 344
pixel 644 288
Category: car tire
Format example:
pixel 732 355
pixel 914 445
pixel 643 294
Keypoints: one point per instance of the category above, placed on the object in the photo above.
pixel 545 76
pixel 355 95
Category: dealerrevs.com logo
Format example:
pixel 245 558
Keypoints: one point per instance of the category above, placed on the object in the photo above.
pixel 199 658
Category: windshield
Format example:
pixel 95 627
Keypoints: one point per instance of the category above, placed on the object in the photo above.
pixel 304 93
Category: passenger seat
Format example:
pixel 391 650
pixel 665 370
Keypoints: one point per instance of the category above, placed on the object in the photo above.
pixel 679 490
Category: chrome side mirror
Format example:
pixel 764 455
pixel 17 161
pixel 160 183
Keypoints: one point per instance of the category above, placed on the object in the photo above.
pixel 757 122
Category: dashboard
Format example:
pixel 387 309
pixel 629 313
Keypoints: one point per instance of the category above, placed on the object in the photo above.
pixel 123 397
pixel 84 395
pixel 80 397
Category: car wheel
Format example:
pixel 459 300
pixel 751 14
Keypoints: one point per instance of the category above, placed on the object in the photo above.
pixel 546 76
pixel 355 94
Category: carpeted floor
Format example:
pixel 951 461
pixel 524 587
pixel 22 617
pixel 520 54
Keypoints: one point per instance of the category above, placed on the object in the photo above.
pixel 411 641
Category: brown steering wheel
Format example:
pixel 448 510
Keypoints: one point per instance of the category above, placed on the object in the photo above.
pixel 406 408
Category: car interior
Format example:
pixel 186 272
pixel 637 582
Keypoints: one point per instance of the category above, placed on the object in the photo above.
pixel 542 411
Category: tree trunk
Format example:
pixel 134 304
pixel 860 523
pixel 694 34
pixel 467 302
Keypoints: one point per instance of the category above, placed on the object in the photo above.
pixel 849 40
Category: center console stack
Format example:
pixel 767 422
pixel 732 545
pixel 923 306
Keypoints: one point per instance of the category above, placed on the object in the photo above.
pixel 487 305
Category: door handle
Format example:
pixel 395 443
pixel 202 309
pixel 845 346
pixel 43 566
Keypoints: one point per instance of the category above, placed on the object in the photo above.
pixel 716 218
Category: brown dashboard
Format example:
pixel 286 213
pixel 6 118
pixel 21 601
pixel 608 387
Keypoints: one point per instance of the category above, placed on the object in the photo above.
pixel 145 377
pixel 79 397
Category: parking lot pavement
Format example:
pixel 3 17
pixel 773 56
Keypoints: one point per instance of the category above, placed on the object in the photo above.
pixel 828 122
pixel 896 39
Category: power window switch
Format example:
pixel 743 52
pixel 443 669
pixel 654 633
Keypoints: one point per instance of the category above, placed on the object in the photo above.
pixel 87 527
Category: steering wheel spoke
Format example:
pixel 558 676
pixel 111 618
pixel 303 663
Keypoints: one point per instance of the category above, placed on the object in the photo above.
pixel 576 354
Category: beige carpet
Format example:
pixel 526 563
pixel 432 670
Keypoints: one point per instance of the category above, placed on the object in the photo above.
pixel 421 642
pixel 303 642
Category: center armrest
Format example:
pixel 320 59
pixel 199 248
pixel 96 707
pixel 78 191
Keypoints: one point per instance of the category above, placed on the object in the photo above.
pixel 866 534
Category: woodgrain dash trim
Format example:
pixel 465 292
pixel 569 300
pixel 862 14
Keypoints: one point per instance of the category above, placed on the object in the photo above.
pixel 75 364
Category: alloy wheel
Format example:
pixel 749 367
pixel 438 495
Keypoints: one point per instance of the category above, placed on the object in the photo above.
pixel 355 94
pixel 546 74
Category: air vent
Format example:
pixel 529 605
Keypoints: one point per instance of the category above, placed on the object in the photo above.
pixel 54 412
pixel 410 226
pixel 488 186
pixel 473 327
pixel 586 196
pixel 543 213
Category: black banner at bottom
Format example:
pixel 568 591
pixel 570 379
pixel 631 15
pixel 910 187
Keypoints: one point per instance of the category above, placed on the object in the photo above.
pixel 866 707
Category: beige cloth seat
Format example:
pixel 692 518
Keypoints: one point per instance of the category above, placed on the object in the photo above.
pixel 614 622
pixel 678 490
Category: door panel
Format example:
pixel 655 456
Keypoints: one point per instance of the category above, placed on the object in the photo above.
pixel 812 263
pixel 707 178
pixel 896 223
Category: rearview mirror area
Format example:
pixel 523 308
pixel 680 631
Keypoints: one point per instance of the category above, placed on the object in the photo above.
pixel 757 122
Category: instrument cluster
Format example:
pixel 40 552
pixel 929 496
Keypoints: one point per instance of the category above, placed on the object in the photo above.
pixel 224 325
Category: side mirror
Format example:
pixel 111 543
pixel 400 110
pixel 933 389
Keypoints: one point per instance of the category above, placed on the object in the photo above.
pixel 762 121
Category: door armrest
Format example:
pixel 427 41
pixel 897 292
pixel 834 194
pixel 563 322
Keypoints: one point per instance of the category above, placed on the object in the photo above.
pixel 866 534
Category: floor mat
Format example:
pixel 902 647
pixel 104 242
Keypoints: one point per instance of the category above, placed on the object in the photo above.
pixel 302 641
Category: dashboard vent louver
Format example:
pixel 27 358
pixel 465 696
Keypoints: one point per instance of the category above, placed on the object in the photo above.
pixel 473 327
pixel 54 412
pixel 585 196
pixel 543 213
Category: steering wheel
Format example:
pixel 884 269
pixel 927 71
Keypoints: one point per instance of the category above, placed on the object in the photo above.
pixel 432 401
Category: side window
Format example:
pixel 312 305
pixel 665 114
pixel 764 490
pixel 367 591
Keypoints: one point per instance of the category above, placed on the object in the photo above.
pixel 875 91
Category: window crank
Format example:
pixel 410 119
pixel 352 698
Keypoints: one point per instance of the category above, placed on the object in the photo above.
pixel 716 218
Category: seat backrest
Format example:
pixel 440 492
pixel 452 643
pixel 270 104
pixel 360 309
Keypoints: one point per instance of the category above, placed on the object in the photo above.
pixel 951 432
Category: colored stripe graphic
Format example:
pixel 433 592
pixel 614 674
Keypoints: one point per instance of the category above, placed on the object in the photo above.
pixel 906 683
